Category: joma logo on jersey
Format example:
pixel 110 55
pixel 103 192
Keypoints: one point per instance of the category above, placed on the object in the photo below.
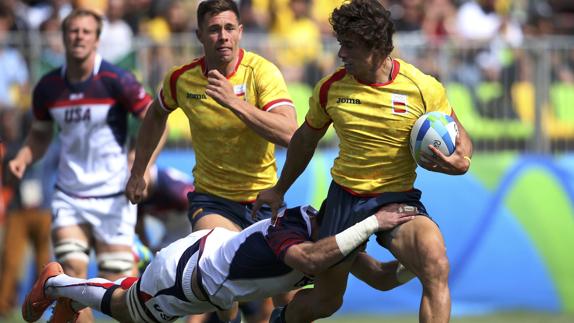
pixel 77 115
pixel 196 96
pixel 348 100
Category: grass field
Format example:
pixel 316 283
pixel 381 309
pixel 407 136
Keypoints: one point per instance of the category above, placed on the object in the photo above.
pixel 521 317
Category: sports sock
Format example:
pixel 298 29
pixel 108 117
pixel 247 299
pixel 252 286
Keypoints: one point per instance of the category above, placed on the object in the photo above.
pixel 88 292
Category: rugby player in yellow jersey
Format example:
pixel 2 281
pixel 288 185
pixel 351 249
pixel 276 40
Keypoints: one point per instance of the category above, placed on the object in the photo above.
pixel 238 109
pixel 373 102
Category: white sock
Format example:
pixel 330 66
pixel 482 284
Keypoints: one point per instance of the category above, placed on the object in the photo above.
pixel 88 292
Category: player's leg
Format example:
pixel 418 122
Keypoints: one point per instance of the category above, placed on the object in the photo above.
pixel 72 249
pixel 321 301
pixel 97 293
pixel 114 235
pixel 420 247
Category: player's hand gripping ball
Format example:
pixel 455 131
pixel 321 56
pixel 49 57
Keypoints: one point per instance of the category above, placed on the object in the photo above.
pixel 433 128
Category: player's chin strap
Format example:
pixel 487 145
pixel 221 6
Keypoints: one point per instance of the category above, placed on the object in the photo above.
pixel 351 238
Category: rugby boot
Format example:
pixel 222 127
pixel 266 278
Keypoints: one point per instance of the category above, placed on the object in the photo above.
pixel 36 301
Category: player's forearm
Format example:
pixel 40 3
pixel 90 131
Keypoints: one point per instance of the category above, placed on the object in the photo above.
pixel 314 258
pixel 149 138
pixel 277 128
pixel 299 154
pixel 381 276
pixel 35 145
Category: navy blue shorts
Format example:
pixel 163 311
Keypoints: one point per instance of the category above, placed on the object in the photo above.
pixel 342 209
pixel 202 204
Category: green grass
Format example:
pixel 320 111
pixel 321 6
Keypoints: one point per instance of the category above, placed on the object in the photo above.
pixel 514 317
pixel 522 317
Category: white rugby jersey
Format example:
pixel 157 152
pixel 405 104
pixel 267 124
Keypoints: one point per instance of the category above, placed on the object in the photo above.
pixel 92 123
pixel 233 266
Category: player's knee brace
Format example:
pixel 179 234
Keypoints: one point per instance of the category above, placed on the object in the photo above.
pixel 119 262
pixel 68 249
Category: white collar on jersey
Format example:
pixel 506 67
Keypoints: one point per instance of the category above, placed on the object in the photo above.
pixel 97 65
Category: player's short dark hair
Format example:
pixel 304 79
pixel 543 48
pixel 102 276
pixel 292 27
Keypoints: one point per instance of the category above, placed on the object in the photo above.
pixel 83 13
pixel 366 20
pixel 214 7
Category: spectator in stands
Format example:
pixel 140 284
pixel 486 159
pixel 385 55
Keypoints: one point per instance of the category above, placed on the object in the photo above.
pixel 407 15
pixel 252 21
pixel 40 11
pixel 14 76
pixel 492 62
pixel 321 13
pixel 138 13
pixel 297 41
pixel 439 22
pixel 52 54
pixel 116 39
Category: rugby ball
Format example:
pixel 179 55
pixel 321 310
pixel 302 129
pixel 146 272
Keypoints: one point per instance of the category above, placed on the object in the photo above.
pixel 433 128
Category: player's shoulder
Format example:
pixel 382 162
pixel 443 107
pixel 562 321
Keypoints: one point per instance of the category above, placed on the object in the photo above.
pixel 51 76
pixel 328 80
pixel 415 75
pixel 196 66
pixel 108 69
pixel 50 83
pixel 254 61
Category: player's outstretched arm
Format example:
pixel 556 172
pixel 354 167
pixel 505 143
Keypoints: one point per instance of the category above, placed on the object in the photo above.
pixel 149 137
pixel 313 258
pixel 299 154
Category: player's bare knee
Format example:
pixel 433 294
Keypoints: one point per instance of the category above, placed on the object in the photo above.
pixel 435 268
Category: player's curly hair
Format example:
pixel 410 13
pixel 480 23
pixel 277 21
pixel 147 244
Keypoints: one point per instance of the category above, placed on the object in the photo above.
pixel 366 20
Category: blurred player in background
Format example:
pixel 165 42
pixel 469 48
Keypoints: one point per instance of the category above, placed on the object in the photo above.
pixel 166 201
pixel 210 270
pixel 238 109
pixel 28 217
pixel 373 102
pixel 89 100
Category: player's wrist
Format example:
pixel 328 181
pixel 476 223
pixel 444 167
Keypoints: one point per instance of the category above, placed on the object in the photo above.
pixel 351 238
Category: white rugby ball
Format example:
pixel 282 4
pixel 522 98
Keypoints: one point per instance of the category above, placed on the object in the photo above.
pixel 433 128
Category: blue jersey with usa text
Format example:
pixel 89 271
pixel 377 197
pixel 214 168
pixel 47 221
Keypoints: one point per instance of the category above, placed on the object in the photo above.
pixel 92 122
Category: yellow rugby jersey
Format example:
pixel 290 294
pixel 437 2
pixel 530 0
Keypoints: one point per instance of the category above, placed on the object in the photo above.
pixel 373 123
pixel 232 161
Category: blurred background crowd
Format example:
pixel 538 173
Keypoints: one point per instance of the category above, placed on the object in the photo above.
pixel 508 64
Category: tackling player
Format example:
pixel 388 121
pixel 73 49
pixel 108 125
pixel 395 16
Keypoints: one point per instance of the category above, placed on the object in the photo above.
pixel 210 270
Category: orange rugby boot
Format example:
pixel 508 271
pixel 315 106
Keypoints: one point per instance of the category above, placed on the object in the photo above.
pixel 36 301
